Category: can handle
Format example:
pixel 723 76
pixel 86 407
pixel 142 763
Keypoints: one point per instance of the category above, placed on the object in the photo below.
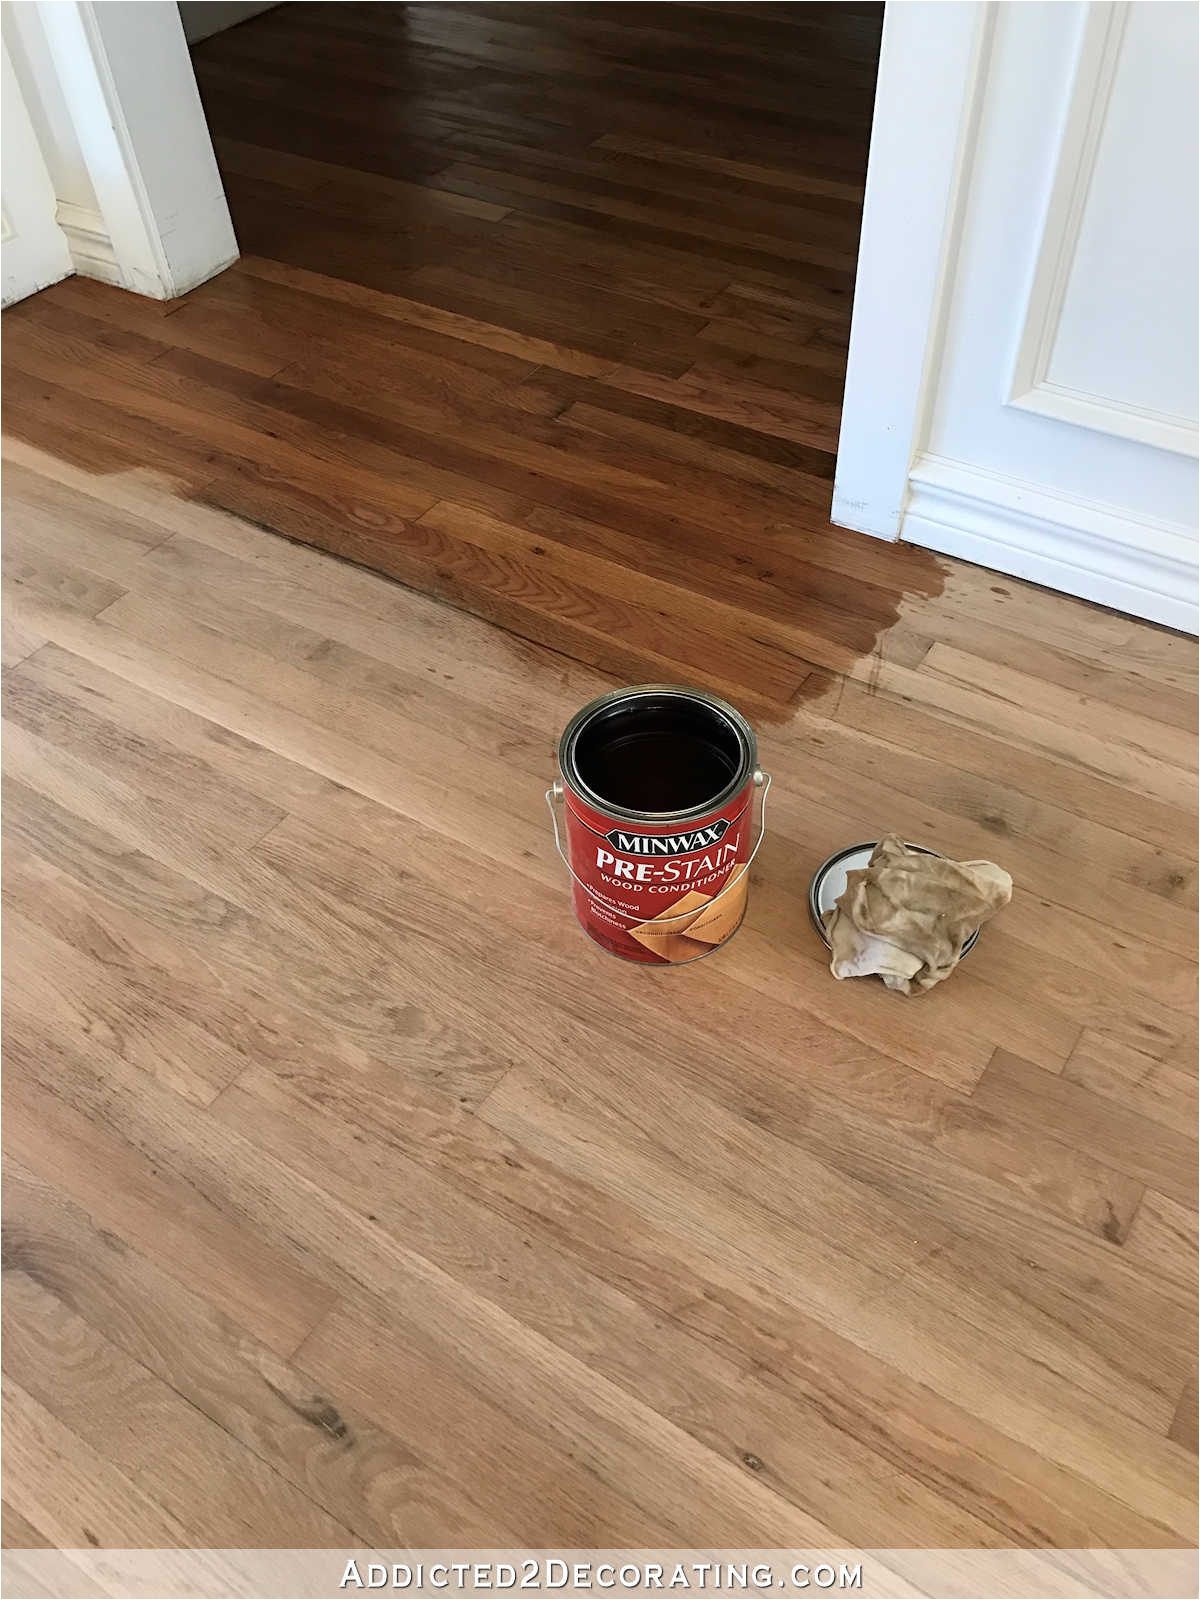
pixel 761 780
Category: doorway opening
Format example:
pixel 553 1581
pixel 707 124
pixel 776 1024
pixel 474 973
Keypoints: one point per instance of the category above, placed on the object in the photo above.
pixel 589 269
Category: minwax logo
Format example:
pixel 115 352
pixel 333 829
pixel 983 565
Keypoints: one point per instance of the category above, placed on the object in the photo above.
pixel 668 844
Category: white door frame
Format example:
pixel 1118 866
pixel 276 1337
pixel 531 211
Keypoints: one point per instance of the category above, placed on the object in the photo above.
pixel 119 72
pixel 935 62
pixel 926 102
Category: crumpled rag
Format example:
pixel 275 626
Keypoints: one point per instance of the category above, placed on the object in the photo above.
pixel 907 915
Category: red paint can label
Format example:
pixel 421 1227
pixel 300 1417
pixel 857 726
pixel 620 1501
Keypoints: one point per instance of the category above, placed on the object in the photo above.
pixel 664 883
pixel 660 895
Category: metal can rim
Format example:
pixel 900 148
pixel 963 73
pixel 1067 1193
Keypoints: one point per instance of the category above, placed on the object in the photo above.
pixel 741 728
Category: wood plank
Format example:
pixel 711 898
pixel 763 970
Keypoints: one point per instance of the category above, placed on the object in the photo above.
pixel 1107 638
pixel 73 1492
pixel 355 1261
pixel 250 1020
pixel 371 1003
pixel 542 351
pixel 1120 880
pixel 81 529
pixel 1185 1427
pixel 220 1490
pixel 85 998
pixel 19 642
pixel 1079 998
pixel 929 1237
pixel 718 649
pixel 578 1412
pixel 1153 1089
pixel 305 174
pixel 1127 684
pixel 551 1126
pixel 1030 772
pixel 147 780
pixel 817 238
pixel 172 412
pixel 754 231
pixel 126 1189
pixel 782 1345
pixel 32 570
pixel 1164 1235
pixel 792 1348
pixel 714 393
pixel 366 1479
pixel 1147 736
pixel 17 1532
pixel 1163 1158
pixel 598 167
pixel 1119 888
pixel 1004 717
pixel 680 155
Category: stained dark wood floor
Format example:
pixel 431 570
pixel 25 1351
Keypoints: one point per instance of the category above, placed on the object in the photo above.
pixel 543 309
pixel 351 1197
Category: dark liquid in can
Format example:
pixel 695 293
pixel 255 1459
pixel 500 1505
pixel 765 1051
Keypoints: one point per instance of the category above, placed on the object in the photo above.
pixel 669 756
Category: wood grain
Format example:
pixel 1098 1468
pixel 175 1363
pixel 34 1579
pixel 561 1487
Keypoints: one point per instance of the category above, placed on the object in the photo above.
pixel 351 1197
pixel 176 969
pixel 389 339
pixel 366 1478
pixel 1165 1158
pixel 1184 1427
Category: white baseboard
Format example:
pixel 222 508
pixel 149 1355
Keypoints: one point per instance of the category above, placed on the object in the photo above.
pixel 876 520
pixel 91 247
pixel 1098 552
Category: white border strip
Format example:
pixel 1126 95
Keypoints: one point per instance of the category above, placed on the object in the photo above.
pixel 1096 551
pixel 576 1574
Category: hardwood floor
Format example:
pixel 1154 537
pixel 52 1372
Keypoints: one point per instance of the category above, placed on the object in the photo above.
pixel 542 309
pixel 351 1196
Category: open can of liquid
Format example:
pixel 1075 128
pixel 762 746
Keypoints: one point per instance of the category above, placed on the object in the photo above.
pixel 657 792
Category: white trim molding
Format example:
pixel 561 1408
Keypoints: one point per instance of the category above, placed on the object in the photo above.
pixel 1100 552
pixel 932 63
pixel 91 246
pixel 1031 388
pixel 127 84
pixel 1102 415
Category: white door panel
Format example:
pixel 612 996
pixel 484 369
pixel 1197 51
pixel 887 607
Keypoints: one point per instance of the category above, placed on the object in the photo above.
pixel 34 252
pixel 1024 394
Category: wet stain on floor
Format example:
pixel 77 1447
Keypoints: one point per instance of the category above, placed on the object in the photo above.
pixel 590 393
pixel 762 608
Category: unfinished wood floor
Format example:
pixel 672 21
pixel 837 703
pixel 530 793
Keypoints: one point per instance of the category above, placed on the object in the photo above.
pixel 351 1196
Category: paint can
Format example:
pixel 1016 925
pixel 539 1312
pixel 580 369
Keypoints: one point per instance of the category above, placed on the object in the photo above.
pixel 657 793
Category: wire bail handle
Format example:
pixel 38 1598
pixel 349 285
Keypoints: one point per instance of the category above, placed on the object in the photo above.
pixel 556 792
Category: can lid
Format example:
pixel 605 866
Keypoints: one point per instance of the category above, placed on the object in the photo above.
pixel 829 883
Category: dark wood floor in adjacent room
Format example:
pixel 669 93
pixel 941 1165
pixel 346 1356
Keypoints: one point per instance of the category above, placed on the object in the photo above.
pixel 542 309
pixel 351 1197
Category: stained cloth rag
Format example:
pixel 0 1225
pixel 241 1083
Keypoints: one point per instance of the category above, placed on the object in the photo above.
pixel 906 915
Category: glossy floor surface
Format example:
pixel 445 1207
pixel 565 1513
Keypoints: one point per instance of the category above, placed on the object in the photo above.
pixel 352 1197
